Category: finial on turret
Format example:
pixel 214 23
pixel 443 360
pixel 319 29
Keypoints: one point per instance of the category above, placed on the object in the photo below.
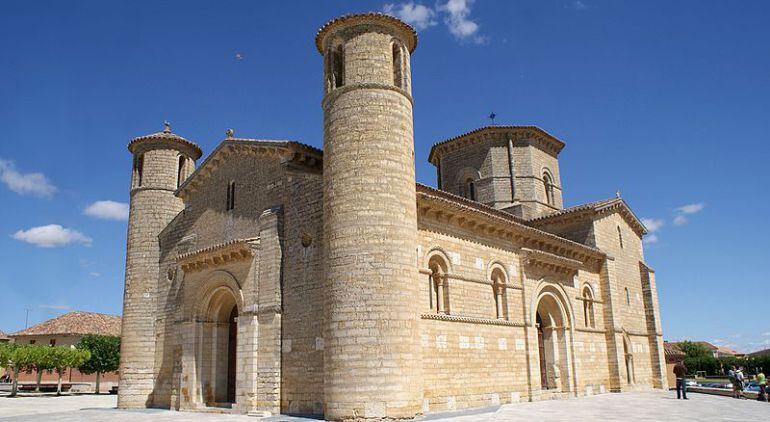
pixel 229 133
pixel 166 126
pixel 492 116
pixel 617 193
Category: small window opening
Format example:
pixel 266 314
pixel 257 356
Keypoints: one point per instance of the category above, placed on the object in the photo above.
pixel 52 342
pixel 398 70
pixel 620 237
pixel 180 171
pixel 338 67
pixel 231 196
pixel 548 184
pixel 470 189
pixel 588 308
pixel 628 297
pixel 138 168
pixel 32 341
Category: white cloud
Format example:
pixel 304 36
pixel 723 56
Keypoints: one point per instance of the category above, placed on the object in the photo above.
pixel 578 5
pixel 650 239
pixel 653 224
pixel 458 20
pixel 685 210
pixel 57 307
pixel 95 274
pixel 108 210
pixel 691 208
pixel 417 15
pixel 767 334
pixel 51 236
pixel 35 184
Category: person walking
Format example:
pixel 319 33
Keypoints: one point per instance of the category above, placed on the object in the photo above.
pixel 739 383
pixel 680 370
pixel 762 381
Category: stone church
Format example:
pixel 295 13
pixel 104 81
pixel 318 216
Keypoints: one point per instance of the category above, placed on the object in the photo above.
pixel 279 278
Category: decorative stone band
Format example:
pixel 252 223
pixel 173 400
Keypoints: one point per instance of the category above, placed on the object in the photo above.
pixel 591 330
pixel 471 279
pixel 212 256
pixel 255 309
pixel 585 299
pixel 472 320
pixel 637 333
pixel 333 94
pixel 551 261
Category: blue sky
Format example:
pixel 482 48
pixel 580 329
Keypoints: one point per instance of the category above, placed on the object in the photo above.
pixel 667 102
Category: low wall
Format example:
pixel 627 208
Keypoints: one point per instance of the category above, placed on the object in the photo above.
pixel 721 392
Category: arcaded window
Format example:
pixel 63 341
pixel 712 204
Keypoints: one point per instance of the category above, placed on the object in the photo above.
pixel 620 237
pixel 180 173
pixel 588 308
pixel 338 67
pixel 231 195
pixel 138 169
pixel 439 295
pixel 499 281
pixel 548 185
pixel 398 66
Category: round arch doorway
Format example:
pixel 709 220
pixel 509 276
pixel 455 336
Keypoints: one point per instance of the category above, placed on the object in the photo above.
pixel 553 344
pixel 218 348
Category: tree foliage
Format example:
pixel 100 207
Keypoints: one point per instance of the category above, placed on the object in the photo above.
pixel 105 353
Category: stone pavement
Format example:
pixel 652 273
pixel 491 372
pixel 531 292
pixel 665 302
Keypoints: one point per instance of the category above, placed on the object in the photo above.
pixel 649 406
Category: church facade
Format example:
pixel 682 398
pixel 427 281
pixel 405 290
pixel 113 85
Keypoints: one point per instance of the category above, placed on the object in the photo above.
pixel 279 278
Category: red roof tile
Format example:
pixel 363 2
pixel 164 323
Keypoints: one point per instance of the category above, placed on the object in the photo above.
pixel 75 323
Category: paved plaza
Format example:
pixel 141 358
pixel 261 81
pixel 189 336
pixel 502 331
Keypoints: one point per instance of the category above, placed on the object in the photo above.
pixel 650 406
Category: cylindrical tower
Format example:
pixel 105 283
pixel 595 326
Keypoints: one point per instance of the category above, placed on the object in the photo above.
pixel 162 161
pixel 372 355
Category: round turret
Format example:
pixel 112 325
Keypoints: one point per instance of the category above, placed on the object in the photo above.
pixel 161 162
pixel 372 353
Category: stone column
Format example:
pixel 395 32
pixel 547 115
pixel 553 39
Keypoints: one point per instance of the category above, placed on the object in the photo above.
pixel 614 337
pixel 654 331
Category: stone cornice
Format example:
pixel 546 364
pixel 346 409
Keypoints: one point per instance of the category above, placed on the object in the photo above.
pixel 286 151
pixel 582 212
pixel 448 209
pixel 550 261
pixel 472 320
pixel 164 140
pixel 544 139
pixel 215 255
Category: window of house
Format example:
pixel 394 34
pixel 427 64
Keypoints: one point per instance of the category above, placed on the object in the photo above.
pixel 620 237
pixel 231 196
pixel 32 341
pixel 588 308
pixel 398 71
pixel 548 185
pixel 52 342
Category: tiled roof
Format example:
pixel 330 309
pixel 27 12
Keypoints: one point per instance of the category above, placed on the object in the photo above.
pixel 169 136
pixel 671 349
pixel 75 323
pixel 597 206
pixel 371 16
pixel 437 147
pixel 760 352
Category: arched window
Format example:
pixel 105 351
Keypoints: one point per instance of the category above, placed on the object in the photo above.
pixel 588 307
pixel 548 185
pixel 231 195
pixel 398 66
pixel 620 237
pixel 498 289
pixel 338 67
pixel 469 189
pixel 138 169
pixel 180 172
pixel 438 288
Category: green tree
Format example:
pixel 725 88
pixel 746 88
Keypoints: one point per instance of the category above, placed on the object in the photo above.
pixel 20 358
pixel 41 360
pixel 105 355
pixel 67 357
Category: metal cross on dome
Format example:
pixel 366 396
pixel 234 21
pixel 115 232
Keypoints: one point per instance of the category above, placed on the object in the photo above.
pixel 492 116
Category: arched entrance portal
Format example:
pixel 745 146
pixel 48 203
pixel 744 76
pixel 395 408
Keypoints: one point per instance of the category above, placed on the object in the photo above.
pixel 552 340
pixel 217 348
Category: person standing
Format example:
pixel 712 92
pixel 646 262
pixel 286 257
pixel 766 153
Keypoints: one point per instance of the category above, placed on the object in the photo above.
pixel 762 381
pixel 739 383
pixel 680 370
